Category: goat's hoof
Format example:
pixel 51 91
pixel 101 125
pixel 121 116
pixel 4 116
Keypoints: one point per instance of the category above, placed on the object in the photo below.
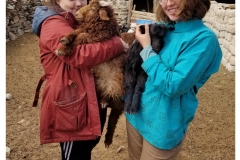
pixel 129 111
pixel 104 105
pixel 60 53
pixel 107 144
pixel 132 112
pixel 64 41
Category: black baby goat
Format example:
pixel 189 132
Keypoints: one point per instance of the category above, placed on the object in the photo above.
pixel 134 76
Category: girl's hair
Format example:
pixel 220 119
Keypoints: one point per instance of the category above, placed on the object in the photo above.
pixel 53 3
pixel 50 3
pixel 188 9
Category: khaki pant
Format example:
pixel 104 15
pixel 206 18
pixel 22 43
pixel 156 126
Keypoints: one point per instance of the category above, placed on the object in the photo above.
pixel 140 149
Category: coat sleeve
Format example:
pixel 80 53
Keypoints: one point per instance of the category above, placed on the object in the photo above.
pixel 195 64
pixel 86 55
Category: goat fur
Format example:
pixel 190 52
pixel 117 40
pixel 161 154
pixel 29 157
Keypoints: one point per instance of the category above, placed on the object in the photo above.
pixel 128 38
pixel 97 23
pixel 134 76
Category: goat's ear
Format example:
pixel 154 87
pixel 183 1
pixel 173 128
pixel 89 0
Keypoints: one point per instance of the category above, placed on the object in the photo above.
pixel 103 14
pixel 103 3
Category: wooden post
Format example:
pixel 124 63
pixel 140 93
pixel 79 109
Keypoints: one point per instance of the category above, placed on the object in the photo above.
pixel 130 5
pixel 148 9
pixel 142 15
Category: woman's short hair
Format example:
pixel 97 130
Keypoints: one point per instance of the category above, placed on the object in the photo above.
pixel 188 9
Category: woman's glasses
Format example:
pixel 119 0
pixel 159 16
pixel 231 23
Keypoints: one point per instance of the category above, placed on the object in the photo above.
pixel 164 2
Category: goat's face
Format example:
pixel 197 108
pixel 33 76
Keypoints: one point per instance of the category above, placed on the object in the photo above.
pixel 158 30
pixel 95 10
pixel 85 12
pixel 157 33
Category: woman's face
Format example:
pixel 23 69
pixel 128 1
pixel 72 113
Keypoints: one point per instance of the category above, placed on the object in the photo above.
pixel 71 5
pixel 171 9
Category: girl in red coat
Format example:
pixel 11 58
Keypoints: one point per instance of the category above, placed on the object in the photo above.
pixel 70 113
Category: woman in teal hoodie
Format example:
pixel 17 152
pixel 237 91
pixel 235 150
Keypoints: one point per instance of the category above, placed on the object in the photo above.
pixel 191 54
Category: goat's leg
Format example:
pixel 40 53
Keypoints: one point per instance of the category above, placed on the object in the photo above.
pixel 133 64
pixel 138 91
pixel 82 38
pixel 128 99
pixel 70 37
pixel 64 50
pixel 117 109
pixel 129 84
pixel 104 102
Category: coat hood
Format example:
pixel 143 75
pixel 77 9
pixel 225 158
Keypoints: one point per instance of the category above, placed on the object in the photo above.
pixel 41 13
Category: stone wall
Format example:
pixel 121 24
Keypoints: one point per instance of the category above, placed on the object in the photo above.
pixel 221 19
pixel 19 14
pixel 121 9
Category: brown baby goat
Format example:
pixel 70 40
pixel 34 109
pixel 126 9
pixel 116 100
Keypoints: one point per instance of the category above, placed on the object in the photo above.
pixel 97 23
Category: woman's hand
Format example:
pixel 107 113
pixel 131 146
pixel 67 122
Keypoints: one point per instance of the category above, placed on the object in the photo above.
pixel 144 39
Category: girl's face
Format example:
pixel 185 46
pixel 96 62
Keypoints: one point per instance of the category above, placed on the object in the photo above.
pixel 71 5
pixel 171 8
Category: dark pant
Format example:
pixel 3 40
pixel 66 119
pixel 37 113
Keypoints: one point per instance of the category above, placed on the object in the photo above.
pixel 81 150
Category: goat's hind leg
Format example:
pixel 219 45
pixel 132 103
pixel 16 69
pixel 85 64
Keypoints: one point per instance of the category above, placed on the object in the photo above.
pixel 129 84
pixel 141 79
pixel 104 101
pixel 128 100
pixel 117 109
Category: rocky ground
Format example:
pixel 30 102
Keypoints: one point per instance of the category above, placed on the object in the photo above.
pixel 211 135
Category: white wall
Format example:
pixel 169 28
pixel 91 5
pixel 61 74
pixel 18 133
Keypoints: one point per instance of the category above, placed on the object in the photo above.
pixel 221 19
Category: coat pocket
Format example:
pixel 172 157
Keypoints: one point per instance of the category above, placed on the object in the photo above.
pixel 71 113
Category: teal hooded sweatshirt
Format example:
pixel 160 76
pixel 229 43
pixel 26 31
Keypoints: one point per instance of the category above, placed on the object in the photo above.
pixel 191 54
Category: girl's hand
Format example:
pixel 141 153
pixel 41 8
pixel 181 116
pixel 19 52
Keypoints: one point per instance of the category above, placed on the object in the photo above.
pixel 144 39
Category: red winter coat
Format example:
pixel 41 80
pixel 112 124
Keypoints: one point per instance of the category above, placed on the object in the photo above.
pixel 69 114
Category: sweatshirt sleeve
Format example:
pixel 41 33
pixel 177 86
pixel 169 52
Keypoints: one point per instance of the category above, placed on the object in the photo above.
pixel 86 55
pixel 147 52
pixel 195 64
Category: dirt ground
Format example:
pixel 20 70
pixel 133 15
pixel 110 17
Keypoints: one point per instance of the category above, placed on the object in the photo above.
pixel 211 136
